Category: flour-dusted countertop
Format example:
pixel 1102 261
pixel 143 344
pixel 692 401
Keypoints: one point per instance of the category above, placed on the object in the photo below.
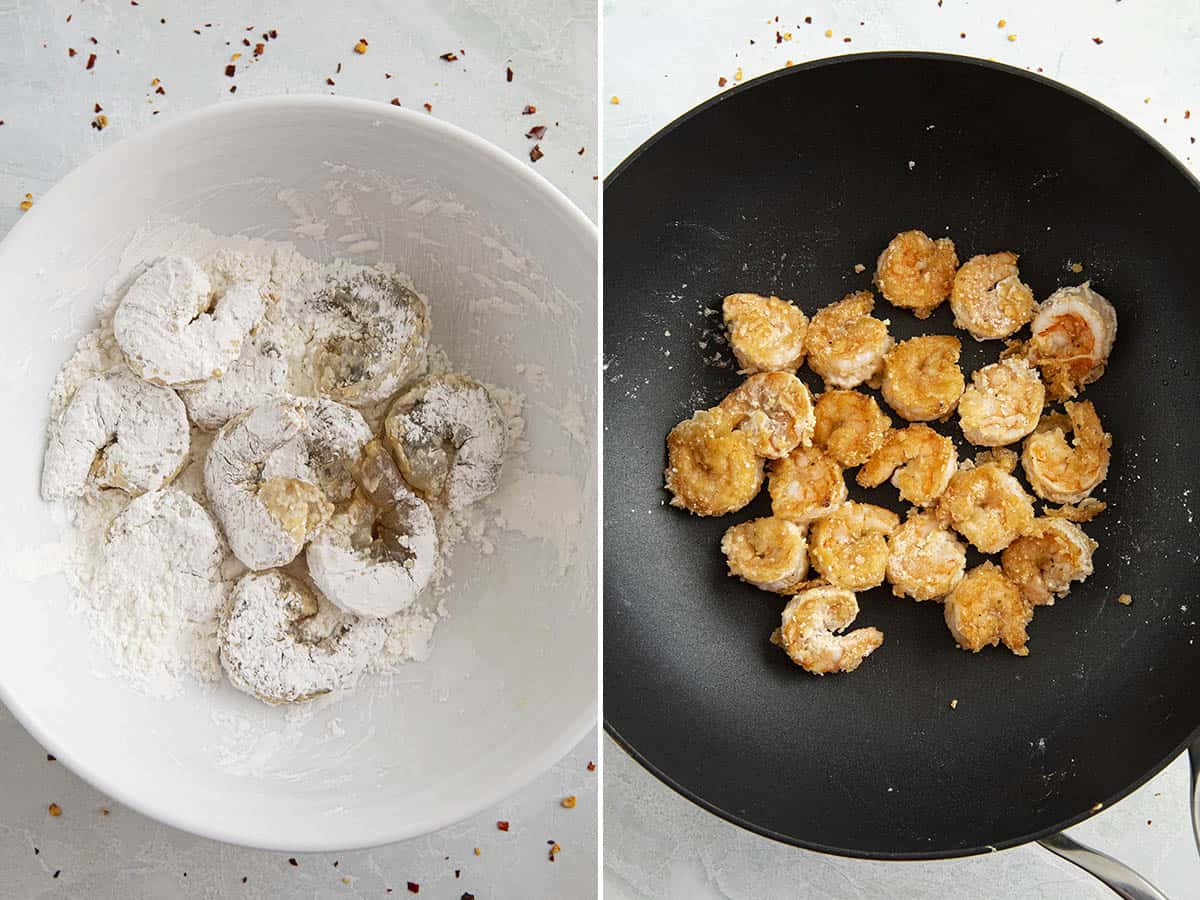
pixel 48 104
pixel 663 58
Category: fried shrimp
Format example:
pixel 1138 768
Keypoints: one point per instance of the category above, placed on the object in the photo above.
pixel 810 635
pixel 1062 472
pixel 849 546
pixel 805 485
pixel 987 506
pixel 712 468
pixel 925 559
pixel 989 299
pixel 845 343
pixel 775 410
pixel 1003 403
pixel 987 609
pixel 919 461
pixel 769 553
pixel 1073 334
pixel 915 272
pixel 1044 561
pixel 921 377
pixel 850 426
pixel 766 334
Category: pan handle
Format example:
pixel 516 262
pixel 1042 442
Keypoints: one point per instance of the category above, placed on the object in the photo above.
pixel 1194 761
pixel 1125 882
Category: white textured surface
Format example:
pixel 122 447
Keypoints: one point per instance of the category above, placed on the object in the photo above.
pixel 662 58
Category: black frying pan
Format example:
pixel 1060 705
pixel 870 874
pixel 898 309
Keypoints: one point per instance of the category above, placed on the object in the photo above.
pixel 780 186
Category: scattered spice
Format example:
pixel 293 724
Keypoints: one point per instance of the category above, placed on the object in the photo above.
pixel 1126 600
pixel 449 57
pixel 614 100
pixel 808 20
pixel 71 52
pixel 104 810
pixel 962 34
pixel 467 897
pixel 478 852
pixel 428 107
pixel 508 73
pixel 232 90
pixel 230 70
pixel 591 766
pixel 737 76
pixel 235 57
pixel 414 888
pixel 1012 37
pixel 845 40
pixel 722 81
pixel 1001 23
pixel 1097 41
pixel 1147 100
pixel 569 802
pixel 292 861
pixel 258 49
pixel 97 108
pixel 828 32
pixel 93 40
pixel 555 849
pixel 579 152
pixel 57 872
pixel 91 62
pixel 50 757
pixel 54 809
pixel 1187 113
pixel 244 878
pixel 530 109
pixel 395 101
pixel 537 132
pixel 502 825
pixel 346 879
pixel 330 82
pixel 361 47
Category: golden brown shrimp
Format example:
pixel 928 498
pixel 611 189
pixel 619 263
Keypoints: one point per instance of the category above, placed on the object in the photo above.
pixel 808 633
pixel 1073 335
pixel 1047 558
pixel 849 546
pixel 850 426
pixel 775 410
pixel 845 343
pixel 1003 403
pixel 805 485
pixel 989 299
pixel 711 468
pixel 925 559
pixel 919 461
pixel 987 609
pixel 987 506
pixel 915 272
pixel 769 553
pixel 921 377
pixel 766 334
pixel 1062 472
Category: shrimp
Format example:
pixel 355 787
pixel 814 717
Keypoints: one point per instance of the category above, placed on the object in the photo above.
pixel 809 635
pixel 1062 472
pixel 921 377
pixel 766 334
pixel 259 373
pixel 1073 335
pixel 1047 558
pixel 711 467
pixel 989 299
pixel 769 553
pixel 925 560
pixel 987 506
pixel 775 410
pixel 987 609
pixel 1084 511
pixel 919 461
pixel 849 546
pixel 805 485
pixel 1003 403
pixel 849 426
pixel 845 343
pixel 915 272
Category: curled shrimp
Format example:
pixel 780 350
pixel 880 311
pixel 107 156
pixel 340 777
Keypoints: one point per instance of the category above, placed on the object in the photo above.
pixel 1073 334
pixel 712 468
pixel 809 633
pixel 987 506
pixel 1047 558
pixel 919 461
pixel 849 546
pixel 1062 472
pixel 769 553
pixel 805 485
pixel 916 272
pixel 850 426
pixel 986 609
pixel 766 334
pixel 775 410
pixel 1003 403
pixel 989 299
pixel 921 377
pixel 845 343
pixel 925 559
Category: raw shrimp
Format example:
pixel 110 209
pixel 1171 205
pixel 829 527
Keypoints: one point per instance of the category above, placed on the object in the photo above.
pixel 769 553
pixel 775 410
pixel 850 426
pixel 989 299
pixel 711 467
pixel 1062 472
pixel 1003 403
pixel 849 546
pixel 1073 335
pixel 987 609
pixel 766 334
pixel 845 343
pixel 1047 558
pixel 919 461
pixel 915 272
pixel 987 506
pixel 805 485
pixel 925 560
pixel 809 635
pixel 921 377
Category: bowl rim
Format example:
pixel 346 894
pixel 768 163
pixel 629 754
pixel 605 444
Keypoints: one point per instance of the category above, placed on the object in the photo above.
pixel 387 830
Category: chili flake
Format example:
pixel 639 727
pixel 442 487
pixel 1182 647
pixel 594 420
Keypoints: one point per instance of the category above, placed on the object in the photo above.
pixel 537 132
pixel 258 49
pixel 71 52
pixel 535 154
pixel 50 757
pixel 529 110
pixel 428 107
pixel 330 82
pixel 569 802
pixel 467 897
pixel 580 151
pixel 91 61
pixel 361 47
pixel 414 888
pixel 502 825
pixel 591 767
pixel 1001 23
pixel 555 849
pixel 1097 41
pixel 292 861
pixel 722 81
pixel 449 57
pixel 54 809
pixel 395 101
pixel 100 122
pixel 508 73
pixel 230 70
pixel 808 20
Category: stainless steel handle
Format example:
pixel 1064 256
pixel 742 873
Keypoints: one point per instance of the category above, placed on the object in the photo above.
pixel 1123 880
pixel 1194 760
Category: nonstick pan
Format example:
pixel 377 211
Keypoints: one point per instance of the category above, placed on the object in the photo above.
pixel 782 186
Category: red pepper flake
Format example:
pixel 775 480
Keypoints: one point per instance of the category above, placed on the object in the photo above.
pixel 581 151
pixel 502 825
pixel 808 20
pixel 292 861
pixel 258 49
pixel 160 90
pixel 778 38
pixel 1187 113
pixel 387 74
pixel 230 70
pixel 54 809
pixel 591 767
pixel 537 132
pixel 91 61
pixel 534 155
pixel 97 108
pixel 845 40
pixel 395 101
pixel 71 52
pixel 414 888
pixel 273 33
pixel 722 81
pixel 467 897
pixel 50 757
pixel 529 110
pixel 245 42
pixel 68 18
pixel 555 849
pixel 508 74
pixel 100 122
pixel 449 57
pixel 232 90
pixel 93 40
pixel 428 107
pixel 1097 41
pixel 330 82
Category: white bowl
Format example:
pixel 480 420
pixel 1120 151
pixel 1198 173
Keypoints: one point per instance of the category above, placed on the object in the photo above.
pixel 510 268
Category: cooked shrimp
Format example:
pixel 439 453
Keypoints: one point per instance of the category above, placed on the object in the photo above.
pixel 769 553
pixel 711 467
pixel 766 334
pixel 921 377
pixel 1003 403
pixel 805 485
pixel 987 609
pixel 1073 334
pixel 849 546
pixel 987 506
pixel 809 635
pixel 1084 511
pixel 845 343
pixel 925 560
pixel 1062 472
pixel 989 299
pixel 850 426
pixel 919 461
pixel 1047 558
pixel 775 410
pixel 915 272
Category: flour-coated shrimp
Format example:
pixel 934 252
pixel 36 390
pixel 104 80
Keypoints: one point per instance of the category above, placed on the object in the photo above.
pixel 769 553
pixel 805 485
pixel 986 609
pixel 775 410
pixel 921 377
pixel 987 506
pixel 925 559
pixel 766 334
pixel 809 633
pixel 916 272
pixel 1073 335
pixel 1062 472
pixel 849 546
pixel 712 468
pixel 1044 561
pixel 989 299
pixel 1003 403
pixel 845 343
pixel 919 461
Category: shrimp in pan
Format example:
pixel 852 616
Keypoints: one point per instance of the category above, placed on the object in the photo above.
pixel 769 553
pixel 712 468
pixel 805 485
pixel 1062 472
pixel 921 377
pixel 846 344
pixel 766 334
pixel 1003 403
pixel 989 299
pixel 850 426
pixel 1047 558
pixel 919 461
pixel 1073 334
pixel 987 506
pixel 925 559
pixel 916 272
pixel 987 609
pixel 775 410
pixel 849 546
pixel 809 635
